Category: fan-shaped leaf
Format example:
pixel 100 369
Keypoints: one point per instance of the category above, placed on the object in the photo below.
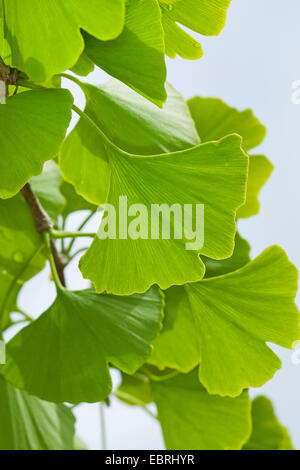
pixel 41 49
pixel 32 126
pixel 27 423
pixel 223 323
pixel 204 16
pixel 214 120
pixel 64 355
pixel 136 57
pixel 193 419
pixel 267 432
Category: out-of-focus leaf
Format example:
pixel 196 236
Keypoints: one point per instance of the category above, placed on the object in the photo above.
pixel 64 355
pixel 267 432
pixel 206 17
pixel 191 419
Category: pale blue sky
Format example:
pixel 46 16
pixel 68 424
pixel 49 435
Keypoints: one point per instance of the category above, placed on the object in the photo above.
pixel 252 64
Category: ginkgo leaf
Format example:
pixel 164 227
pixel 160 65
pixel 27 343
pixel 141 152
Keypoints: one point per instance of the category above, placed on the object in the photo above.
pixel 42 50
pixel 74 202
pixel 135 390
pixel 132 123
pixel 204 17
pixel 47 188
pixel 223 324
pixel 27 423
pixel 64 355
pixel 191 419
pixel 84 66
pixel 260 169
pixel 21 255
pixel 32 126
pixel 211 176
pixel 240 257
pixel 214 120
pixel 136 57
pixel 267 432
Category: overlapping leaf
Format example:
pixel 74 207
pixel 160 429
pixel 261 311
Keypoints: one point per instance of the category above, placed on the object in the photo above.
pixel 47 187
pixel 267 432
pixel 132 123
pixel 204 16
pixel 240 257
pixel 214 120
pixel 21 255
pixel 136 57
pixel 193 419
pixel 27 423
pixel 45 37
pixel 223 323
pixel 64 355
pixel 32 126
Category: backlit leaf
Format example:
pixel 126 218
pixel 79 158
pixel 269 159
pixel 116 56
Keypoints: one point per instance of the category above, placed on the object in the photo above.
pixel 45 37
pixel 267 432
pixel 136 57
pixel 214 120
pixel 64 355
pixel 32 126
pixel 224 323
pixel 203 16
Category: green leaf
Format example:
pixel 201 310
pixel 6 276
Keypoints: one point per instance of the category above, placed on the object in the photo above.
pixel 240 257
pixel 223 324
pixel 260 169
pixel 32 126
pixel 204 17
pixel 267 432
pixel 64 355
pixel 191 419
pixel 41 50
pixel 84 66
pixel 214 120
pixel 135 390
pixel 136 57
pixel 21 255
pixel 132 123
pixel 47 188
pixel 74 202
pixel 212 173
pixel 27 423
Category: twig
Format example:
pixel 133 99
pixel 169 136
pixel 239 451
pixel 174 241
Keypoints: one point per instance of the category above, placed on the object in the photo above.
pixel 43 223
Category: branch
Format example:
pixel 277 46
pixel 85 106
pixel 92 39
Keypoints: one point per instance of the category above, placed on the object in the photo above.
pixel 44 223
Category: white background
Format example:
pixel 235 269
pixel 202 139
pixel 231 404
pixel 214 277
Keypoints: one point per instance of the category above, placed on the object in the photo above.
pixel 252 64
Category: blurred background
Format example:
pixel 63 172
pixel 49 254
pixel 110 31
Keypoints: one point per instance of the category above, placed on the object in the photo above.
pixel 253 63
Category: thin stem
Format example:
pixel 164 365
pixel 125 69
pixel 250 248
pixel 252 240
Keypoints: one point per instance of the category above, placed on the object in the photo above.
pixel 56 279
pixel 27 317
pixel 102 426
pixel 61 234
pixel 81 226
